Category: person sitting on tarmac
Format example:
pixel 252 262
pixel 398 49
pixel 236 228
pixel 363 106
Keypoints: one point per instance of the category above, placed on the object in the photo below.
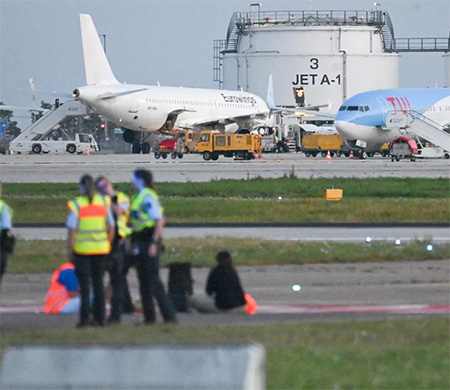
pixel 63 296
pixel 223 288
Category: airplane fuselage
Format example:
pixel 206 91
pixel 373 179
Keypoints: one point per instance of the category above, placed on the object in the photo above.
pixel 150 109
pixel 364 116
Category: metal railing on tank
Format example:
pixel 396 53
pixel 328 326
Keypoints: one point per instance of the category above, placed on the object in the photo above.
pixel 332 17
pixel 240 22
pixel 421 45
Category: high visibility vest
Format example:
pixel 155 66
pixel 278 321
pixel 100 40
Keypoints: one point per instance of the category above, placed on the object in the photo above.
pixel 91 237
pixel 57 296
pixel 4 206
pixel 122 220
pixel 139 219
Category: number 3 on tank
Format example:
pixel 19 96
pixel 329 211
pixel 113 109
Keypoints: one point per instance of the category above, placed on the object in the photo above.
pixel 314 63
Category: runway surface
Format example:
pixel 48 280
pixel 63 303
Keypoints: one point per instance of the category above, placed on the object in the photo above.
pixel 370 291
pixel 306 234
pixel 69 168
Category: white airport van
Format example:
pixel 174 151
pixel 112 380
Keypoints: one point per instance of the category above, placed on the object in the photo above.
pixel 51 144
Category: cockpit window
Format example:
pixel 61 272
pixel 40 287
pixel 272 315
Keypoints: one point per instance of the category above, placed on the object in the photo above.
pixel 354 108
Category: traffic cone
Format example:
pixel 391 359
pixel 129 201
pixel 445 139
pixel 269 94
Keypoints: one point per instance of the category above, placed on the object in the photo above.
pixel 328 156
pixel 87 152
pixel 352 156
pixel 251 305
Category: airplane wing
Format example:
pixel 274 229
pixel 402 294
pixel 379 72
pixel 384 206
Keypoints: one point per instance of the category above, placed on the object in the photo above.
pixel 210 121
pixel 307 110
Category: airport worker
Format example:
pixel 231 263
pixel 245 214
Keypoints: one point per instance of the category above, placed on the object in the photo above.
pixel 63 296
pixel 6 239
pixel 91 228
pixel 224 291
pixel 147 223
pixel 120 207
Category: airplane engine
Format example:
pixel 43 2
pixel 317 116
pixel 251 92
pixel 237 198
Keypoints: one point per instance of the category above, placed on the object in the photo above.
pixel 129 136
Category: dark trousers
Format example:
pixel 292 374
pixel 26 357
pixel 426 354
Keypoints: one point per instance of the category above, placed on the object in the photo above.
pixel 114 263
pixel 151 286
pixel 3 262
pixel 127 303
pixel 90 269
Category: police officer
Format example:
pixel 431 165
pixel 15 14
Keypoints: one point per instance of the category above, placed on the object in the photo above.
pixel 90 226
pixel 147 223
pixel 120 207
pixel 5 227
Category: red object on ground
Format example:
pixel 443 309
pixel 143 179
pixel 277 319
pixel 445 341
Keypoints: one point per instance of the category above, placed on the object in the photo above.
pixel 168 145
pixel 251 306
pixel 411 142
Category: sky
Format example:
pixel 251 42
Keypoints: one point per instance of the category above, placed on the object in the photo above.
pixel 170 42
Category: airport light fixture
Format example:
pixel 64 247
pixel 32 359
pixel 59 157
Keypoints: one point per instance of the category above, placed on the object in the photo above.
pixel 368 239
pixel 398 241
pixel 429 247
pixel 296 287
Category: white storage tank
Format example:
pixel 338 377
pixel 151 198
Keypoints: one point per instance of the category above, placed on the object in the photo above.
pixel 333 55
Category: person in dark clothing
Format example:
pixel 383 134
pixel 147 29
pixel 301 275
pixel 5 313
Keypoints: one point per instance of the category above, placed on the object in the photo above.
pixel 120 206
pixel 147 223
pixel 90 226
pixel 223 288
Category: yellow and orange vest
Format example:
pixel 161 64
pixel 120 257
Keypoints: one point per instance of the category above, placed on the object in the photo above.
pixel 91 237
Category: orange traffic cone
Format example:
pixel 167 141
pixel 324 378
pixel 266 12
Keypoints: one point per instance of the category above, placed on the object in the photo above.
pixel 87 152
pixel 251 304
pixel 352 156
pixel 328 156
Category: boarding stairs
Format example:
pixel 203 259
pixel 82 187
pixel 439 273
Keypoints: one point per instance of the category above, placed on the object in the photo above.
pixel 419 125
pixel 431 131
pixel 51 121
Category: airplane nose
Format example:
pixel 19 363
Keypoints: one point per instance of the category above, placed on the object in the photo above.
pixel 346 129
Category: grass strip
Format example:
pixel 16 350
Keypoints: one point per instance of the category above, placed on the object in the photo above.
pixel 262 210
pixel 365 200
pixel 263 188
pixel 46 256
pixel 403 354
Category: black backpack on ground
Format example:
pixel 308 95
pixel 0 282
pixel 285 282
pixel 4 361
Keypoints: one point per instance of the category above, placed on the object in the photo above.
pixel 180 285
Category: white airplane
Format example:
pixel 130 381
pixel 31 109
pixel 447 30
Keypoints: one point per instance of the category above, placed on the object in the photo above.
pixel 154 108
pixel 370 119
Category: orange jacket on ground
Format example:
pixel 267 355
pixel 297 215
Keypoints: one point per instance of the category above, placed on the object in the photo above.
pixel 57 296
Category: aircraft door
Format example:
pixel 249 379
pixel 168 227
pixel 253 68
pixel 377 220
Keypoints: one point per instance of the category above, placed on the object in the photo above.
pixel 134 108
pixel 386 108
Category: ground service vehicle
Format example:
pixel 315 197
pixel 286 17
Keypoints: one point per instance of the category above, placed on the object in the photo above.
pixel 431 151
pixel 166 147
pixel 268 138
pixel 403 147
pixel 313 144
pixel 241 146
pixel 187 140
pixel 58 142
